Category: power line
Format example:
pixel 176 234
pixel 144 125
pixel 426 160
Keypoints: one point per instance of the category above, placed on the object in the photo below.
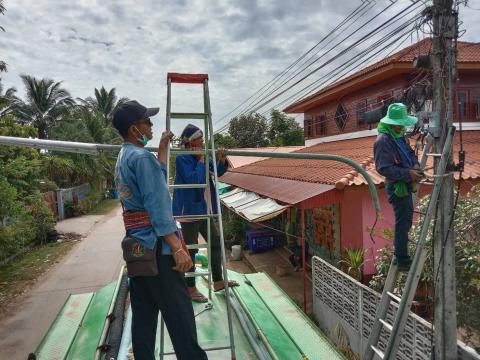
pixel 350 63
pixel 303 67
pixel 334 46
pixel 363 38
pixel 277 77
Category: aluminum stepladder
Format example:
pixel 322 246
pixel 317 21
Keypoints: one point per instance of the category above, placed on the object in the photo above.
pixel 206 116
pixel 404 303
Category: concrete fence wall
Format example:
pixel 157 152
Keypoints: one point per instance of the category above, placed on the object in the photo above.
pixel 343 305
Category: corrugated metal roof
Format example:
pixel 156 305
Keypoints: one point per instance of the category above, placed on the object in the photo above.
pixel 287 191
pixel 338 174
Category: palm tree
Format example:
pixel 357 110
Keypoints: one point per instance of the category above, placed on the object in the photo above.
pixel 45 103
pixel 3 66
pixel 8 100
pixel 2 10
pixel 103 103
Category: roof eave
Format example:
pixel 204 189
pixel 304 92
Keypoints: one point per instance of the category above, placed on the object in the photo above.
pixel 362 81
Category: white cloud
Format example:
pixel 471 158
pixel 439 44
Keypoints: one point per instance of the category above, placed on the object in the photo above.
pixel 131 45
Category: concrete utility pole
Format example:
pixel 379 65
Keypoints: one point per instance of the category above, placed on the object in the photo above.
pixel 444 62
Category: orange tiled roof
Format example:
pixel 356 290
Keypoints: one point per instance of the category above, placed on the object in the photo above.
pixel 359 150
pixel 468 52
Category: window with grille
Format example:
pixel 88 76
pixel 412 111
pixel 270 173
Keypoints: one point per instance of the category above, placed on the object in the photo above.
pixel 361 108
pixel 307 127
pixel 341 116
pixel 320 125
pixel 476 104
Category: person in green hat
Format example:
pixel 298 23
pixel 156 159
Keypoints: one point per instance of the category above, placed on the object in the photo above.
pixel 396 161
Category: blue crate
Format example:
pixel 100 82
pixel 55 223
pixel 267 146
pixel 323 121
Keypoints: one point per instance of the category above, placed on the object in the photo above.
pixel 260 240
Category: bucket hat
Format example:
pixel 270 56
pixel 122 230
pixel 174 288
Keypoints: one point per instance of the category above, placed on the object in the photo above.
pixel 397 115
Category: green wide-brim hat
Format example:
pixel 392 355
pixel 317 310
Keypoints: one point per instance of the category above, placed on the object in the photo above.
pixel 397 115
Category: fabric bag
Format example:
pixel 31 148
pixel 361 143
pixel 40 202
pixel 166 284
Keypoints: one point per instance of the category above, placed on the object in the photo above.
pixel 141 261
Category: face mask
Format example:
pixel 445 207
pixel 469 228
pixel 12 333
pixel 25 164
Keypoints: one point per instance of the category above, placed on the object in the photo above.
pixel 143 140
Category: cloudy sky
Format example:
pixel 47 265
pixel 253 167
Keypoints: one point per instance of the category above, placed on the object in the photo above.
pixel 131 45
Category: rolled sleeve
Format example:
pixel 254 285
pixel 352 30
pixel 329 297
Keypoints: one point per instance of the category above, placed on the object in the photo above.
pixel 151 177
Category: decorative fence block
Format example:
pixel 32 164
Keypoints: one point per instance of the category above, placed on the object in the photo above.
pixel 338 299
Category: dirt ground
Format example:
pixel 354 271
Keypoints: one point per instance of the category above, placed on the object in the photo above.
pixel 19 276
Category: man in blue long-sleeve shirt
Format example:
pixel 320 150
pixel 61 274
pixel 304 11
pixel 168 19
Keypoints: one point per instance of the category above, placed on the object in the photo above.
pixel 140 178
pixel 395 160
pixel 190 169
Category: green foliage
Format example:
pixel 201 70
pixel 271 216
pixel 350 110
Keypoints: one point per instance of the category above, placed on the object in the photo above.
pixel 24 218
pixel 85 205
pixel 467 253
pixel 22 167
pixel 235 228
pixel 253 130
pixel 284 130
pixel 225 141
pixel 249 130
pixel 15 221
pixel 7 99
pixel 103 103
pixel 46 102
pixel 42 217
pixel 353 261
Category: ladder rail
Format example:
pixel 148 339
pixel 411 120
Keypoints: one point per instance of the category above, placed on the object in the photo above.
pixel 209 154
pixel 392 276
pixel 423 163
pixel 382 310
pixel 208 189
pixel 220 224
pixel 420 255
pixel 414 274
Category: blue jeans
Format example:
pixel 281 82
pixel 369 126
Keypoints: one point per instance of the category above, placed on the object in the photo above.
pixel 403 209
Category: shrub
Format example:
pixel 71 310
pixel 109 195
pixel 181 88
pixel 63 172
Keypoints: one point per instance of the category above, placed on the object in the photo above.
pixel 42 218
pixel 467 257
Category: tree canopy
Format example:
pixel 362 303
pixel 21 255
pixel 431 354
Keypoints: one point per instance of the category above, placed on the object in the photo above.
pixel 255 130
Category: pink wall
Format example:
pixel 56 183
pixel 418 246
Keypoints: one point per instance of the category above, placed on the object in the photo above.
pixel 357 216
pixel 386 221
pixel 351 218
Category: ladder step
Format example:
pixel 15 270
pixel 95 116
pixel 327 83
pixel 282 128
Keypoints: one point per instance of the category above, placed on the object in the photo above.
pixel 196 274
pixel 179 115
pixel 197 246
pixel 393 296
pixel 195 217
pixel 187 78
pixel 188 186
pixel 434 154
pixel 378 352
pixel 387 325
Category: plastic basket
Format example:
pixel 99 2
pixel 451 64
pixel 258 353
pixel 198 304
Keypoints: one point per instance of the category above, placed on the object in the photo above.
pixel 260 240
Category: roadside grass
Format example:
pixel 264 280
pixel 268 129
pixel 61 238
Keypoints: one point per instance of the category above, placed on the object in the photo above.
pixel 19 275
pixel 104 207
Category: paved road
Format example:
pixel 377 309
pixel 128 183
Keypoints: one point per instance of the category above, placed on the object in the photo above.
pixel 92 263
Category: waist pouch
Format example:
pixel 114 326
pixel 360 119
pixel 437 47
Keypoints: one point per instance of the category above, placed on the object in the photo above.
pixel 141 261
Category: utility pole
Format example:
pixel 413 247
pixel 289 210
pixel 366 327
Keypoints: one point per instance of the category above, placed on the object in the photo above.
pixel 443 61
